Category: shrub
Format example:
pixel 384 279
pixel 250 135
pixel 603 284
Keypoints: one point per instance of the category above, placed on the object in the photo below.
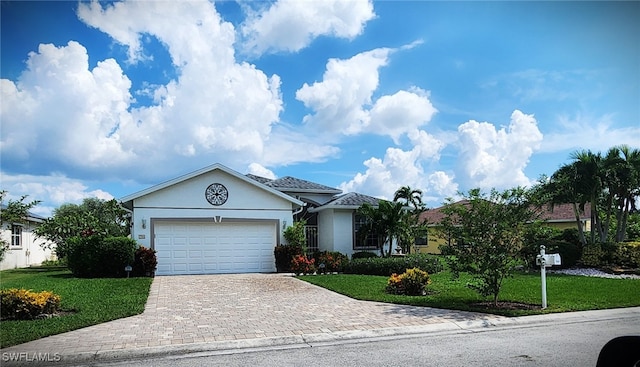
pixel 386 266
pixel 295 235
pixel 284 254
pixel 300 264
pixel 627 254
pixel 592 256
pixel 22 304
pixel 412 282
pixel 569 252
pixel 329 262
pixel 145 262
pixel 97 257
pixel 363 255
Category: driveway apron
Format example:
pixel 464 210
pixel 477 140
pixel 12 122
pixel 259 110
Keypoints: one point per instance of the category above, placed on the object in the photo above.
pixel 189 309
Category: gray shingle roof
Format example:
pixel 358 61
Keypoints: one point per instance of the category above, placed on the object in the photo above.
pixel 262 180
pixel 352 200
pixel 289 183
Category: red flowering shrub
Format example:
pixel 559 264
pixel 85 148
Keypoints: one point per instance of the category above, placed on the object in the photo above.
pixel 329 262
pixel 300 264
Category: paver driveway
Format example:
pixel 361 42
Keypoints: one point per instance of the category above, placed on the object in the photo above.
pixel 211 308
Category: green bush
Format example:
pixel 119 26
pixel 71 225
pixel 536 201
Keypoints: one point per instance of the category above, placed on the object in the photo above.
pixel 627 254
pixel 22 304
pixel 413 282
pixel 145 262
pixel 97 257
pixel 593 256
pixel 284 254
pixel 386 266
pixel 363 255
pixel 569 252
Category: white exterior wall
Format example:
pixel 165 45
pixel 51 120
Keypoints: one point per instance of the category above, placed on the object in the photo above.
pixel 29 254
pixel 325 230
pixel 343 231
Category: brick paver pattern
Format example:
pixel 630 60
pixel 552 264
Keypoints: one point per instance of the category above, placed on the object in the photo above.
pixel 210 308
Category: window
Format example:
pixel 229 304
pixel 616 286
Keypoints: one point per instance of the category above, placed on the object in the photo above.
pixel 16 235
pixel 360 241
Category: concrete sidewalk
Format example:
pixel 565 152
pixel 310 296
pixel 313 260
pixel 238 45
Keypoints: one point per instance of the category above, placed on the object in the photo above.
pixel 191 314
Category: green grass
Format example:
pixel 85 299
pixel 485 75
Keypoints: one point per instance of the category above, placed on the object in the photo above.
pixel 564 292
pixel 90 301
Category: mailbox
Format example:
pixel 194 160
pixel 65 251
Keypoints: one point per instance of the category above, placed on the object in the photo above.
pixel 548 260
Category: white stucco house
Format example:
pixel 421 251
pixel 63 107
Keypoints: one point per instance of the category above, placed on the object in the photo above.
pixel 24 248
pixel 216 220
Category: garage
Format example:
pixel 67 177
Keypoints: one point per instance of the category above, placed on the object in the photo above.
pixel 184 247
pixel 211 221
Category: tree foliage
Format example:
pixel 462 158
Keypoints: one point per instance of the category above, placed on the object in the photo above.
pixel 295 235
pixel 487 233
pixel 387 221
pixel 609 184
pixel 15 211
pixel 94 216
pixel 392 221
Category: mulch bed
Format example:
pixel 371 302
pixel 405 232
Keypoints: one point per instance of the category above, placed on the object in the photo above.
pixel 505 305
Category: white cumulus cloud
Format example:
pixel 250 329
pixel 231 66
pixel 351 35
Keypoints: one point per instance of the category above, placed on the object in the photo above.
pixel 259 170
pixel 491 157
pixel 291 25
pixel 342 102
pixel 53 190
pixel 401 168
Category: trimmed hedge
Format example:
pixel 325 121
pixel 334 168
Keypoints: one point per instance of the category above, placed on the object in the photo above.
pixel 386 266
pixel 624 254
pixel 98 257
pixel 363 255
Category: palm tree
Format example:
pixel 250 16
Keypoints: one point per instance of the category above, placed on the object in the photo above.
pixel 387 221
pixel 627 187
pixel 589 177
pixel 410 196
pixel 562 187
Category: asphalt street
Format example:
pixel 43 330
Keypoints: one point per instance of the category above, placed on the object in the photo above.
pixel 550 344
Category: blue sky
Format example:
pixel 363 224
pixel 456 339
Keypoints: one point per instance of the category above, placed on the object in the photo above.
pixel 105 99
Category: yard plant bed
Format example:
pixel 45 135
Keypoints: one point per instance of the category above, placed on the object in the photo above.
pixel 84 302
pixel 520 294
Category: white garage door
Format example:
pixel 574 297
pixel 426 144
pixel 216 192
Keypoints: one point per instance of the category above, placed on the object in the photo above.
pixel 211 248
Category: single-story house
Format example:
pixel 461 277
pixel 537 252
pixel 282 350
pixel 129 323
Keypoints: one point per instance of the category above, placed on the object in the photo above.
pixel 216 220
pixel 560 217
pixel 24 248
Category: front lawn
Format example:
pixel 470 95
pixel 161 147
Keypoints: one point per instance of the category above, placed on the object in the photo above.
pixel 85 302
pixel 564 292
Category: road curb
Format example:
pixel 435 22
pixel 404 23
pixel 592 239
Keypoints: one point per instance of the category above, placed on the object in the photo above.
pixel 312 340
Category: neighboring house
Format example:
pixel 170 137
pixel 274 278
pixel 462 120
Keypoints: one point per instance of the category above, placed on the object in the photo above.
pixel 561 217
pixel 24 248
pixel 216 220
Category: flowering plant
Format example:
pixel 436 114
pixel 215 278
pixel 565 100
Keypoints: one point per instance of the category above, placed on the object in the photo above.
pixel 412 282
pixel 300 264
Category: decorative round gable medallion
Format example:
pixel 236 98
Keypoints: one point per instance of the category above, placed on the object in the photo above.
pixel 216 194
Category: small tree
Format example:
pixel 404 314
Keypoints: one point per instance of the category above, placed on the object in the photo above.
pixel 295 235
pixel 101 217
pixel 487 233
pixel 13 212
